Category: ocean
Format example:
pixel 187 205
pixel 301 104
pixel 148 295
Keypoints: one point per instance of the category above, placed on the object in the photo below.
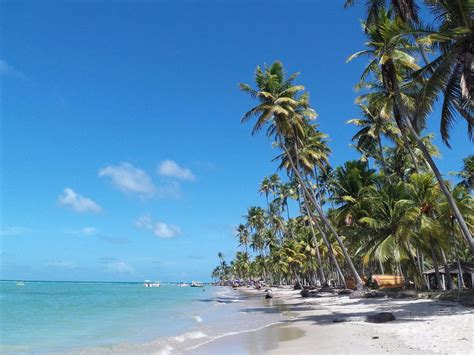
pixel 81 317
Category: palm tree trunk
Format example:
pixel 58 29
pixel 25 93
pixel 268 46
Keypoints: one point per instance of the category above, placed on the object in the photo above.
pixel 435 265
pixel 446 269
pixel 382 158
pixel 325 239
pixel 426 154
pixel 381 267
pixel 315 241
pixel 358 281
pixel 449 197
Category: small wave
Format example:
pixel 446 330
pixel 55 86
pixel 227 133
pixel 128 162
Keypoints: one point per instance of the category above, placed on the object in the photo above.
pixel 211 339
pixel 197 319
pixel 189 335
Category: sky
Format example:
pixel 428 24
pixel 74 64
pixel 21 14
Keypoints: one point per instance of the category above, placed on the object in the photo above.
pixel 122 153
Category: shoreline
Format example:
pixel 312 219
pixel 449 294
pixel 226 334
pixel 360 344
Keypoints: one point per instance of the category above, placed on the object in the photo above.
pixel 421 327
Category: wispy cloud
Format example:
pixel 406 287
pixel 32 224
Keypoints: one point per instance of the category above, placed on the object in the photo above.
pixel 14 231
pixel 7 70
pixel 129 179
pixel 170 168
pixel 119 267
pixel 92 231
pixel 78 203
pixel 158 228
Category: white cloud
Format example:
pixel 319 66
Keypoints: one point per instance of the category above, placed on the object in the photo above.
pixel 129 179
pixel 7 70
pixel 119 267
pixel 69 198
pixel 172 169
pixel 13 231
pixel 158 228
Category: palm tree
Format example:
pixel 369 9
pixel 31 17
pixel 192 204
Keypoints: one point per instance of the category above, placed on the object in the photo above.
pixel 243 234
pixel 265 188
pixel 467 173
pixel 352 180
pixel 388 47
pixel 389 223
pixel 451 73
pixel 274 182
pixel 373 127
pixel 407 10
pixel 285 110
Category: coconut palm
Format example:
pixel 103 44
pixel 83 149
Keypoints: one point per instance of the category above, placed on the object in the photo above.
pixel 285 110
pixel 374 126
pixel 352 183
pixel 243 234
pixel 265 188
pixel 407 10
pixel 467 173
pixel 388 47
pixel 451 73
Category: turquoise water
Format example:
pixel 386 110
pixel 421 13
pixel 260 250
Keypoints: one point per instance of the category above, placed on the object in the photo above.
pixel 83 317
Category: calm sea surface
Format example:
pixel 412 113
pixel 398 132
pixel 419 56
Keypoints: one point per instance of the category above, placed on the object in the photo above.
pixel 80 317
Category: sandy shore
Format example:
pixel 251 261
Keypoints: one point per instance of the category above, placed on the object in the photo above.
pixel 421 327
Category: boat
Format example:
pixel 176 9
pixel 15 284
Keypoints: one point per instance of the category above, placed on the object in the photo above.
pixel 20 283
pixel 184 284
pixel 197 284
pixel 148 283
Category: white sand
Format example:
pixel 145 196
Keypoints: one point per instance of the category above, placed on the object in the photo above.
pixel 421 326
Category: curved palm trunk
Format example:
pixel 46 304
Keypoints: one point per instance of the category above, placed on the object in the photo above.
pixel 320 270
pixel 435 266
pixel 454 208
pixel 447 272
pixel 382 158
pixel 318 255
pixel 332 257
pixel 358 281
pixel 391 84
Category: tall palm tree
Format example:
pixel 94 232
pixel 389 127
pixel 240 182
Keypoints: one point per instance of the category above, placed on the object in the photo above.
pixel 243 234
pixel 285 110
pixel 407 10
pixel 452 72
pixel 265 188
pixel 353 182
pixel 373 127
pixel 388 47
pixel 467 173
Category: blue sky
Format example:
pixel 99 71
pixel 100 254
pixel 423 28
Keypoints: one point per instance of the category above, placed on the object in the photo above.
pixel 123 156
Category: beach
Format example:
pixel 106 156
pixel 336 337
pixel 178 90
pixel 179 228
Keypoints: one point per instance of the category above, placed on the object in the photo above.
pixel 422 326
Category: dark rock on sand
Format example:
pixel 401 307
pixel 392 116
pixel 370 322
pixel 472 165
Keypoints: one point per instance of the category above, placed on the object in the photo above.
pixel 305 293
pixel 309 294
pixel 375 294
pixel 382 317
pixel 326 289
pixel 346 291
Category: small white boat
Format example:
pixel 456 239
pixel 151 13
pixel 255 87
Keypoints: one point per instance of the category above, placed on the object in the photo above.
pixel 184 284
pixel 197 284
pixel 20 283
pixel 148 283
